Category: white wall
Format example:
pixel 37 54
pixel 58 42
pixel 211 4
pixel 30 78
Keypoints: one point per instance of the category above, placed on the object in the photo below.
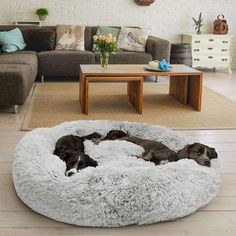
pixel 164 18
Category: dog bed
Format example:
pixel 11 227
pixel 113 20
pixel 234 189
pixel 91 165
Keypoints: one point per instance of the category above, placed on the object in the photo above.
pixel 122 190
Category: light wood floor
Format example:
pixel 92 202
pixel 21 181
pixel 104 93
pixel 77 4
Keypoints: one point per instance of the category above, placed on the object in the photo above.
pixel 216 219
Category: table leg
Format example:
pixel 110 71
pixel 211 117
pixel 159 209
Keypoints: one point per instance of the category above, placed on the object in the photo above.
pixel 130 89
pixel 195 91
pixel 135 94
pixel 82 92
pixel 86 96
pixel 179 88
pixel 187 90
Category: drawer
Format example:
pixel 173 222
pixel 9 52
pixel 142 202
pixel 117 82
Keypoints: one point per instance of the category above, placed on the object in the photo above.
pixel 211 41
pixel 210 65
pixel 205 49
pixel 212 59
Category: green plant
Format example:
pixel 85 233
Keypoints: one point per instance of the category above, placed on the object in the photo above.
pixel 198 23
pixel 41 12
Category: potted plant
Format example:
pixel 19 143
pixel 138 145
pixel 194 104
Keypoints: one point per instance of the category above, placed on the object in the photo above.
pixel 198 23
pixel 42 13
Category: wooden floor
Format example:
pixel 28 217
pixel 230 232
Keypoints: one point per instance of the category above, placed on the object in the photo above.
pixel 216 219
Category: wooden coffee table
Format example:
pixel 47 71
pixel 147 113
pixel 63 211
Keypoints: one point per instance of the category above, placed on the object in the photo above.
pixel 185 83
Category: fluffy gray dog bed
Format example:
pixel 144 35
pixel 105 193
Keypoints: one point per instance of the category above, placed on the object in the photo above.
pixel 122 190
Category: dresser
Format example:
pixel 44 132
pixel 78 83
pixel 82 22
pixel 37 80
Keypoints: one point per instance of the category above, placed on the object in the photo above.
pixel 210 50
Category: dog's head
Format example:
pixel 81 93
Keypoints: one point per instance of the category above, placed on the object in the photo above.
pixel 67 144
pixel 201 153
pixel 115 134
pixel 78 161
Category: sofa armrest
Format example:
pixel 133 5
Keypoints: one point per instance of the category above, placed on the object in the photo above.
pixel 159 48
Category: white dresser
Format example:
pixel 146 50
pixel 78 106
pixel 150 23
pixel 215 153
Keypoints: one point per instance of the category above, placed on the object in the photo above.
pixel 210 50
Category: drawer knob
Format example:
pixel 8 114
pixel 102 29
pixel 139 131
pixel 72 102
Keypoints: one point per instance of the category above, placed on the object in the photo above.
pixel 224 50
pixel 225 41
pixel 211 40
pixel 196 59
pixel 210 57
pixel 196 50
pixel 210 48
pixel 224 59
pixel 197 41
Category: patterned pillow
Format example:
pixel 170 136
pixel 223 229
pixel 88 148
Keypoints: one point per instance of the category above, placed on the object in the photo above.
pixel 70 37
pixel 132 39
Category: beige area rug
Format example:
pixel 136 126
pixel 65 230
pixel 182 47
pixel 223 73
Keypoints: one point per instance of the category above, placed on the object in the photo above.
pixel 53 103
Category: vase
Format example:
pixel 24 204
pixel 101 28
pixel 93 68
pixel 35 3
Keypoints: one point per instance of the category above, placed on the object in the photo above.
pixel 199 30
pixel 104 59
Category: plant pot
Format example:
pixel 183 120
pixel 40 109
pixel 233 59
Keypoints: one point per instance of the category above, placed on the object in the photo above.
pixel 42 18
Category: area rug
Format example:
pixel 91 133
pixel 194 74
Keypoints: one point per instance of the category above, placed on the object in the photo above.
pixel 53 103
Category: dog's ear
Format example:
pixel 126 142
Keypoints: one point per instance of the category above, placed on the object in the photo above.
pixel 213 153
pixel 183 153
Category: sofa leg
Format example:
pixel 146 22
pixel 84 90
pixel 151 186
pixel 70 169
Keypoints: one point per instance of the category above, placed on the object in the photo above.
pixel 42 78
pixel 15 109
pixel 157 79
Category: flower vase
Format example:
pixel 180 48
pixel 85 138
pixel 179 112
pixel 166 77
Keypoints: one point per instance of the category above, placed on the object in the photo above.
pixel 199 30
pixel 104 58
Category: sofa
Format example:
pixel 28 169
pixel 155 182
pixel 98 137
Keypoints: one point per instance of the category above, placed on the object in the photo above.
pixel 19 70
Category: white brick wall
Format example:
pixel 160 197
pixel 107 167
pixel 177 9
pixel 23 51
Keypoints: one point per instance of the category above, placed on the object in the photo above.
pixel 164 18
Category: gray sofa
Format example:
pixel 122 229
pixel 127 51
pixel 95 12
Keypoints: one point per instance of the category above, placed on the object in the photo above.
pixel 19 70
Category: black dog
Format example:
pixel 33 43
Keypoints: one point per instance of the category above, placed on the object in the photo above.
pixel 158 153
pixel 70 149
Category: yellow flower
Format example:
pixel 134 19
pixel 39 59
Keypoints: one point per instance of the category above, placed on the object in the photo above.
pixel 114 39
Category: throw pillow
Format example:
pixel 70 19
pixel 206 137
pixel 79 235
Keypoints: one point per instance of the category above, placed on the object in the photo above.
pixel 12 40
pixel 105 30
pixel 40 40
pixel 70 37
pixel 132 39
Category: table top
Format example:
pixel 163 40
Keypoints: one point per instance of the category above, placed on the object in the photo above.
pixel 135 70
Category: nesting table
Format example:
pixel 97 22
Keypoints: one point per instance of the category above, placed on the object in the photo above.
pixel 185 83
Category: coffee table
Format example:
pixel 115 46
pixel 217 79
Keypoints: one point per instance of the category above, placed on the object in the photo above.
pixel 185 83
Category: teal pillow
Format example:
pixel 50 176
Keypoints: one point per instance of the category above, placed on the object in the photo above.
pixel 12 40
pixel 105 30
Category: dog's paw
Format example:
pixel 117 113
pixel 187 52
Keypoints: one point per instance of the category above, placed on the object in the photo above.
pixel 96 140
pixel 71 172
pixel 163 162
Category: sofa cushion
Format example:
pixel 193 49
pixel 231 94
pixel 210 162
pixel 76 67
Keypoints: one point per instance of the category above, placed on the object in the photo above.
pixel 23 52
pixel 70 37
pixel 63 63
pixel 12 40
pixel 29 59
pixel 127 58
pixel 132 39
pixel 16 82
pixel 105 30
pixel 41 40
